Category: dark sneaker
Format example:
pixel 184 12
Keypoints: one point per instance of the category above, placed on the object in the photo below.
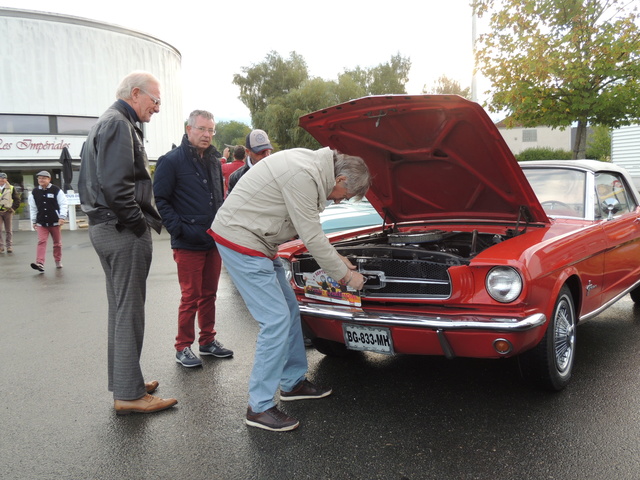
pixel 187 358
pixel 38 266
pixel 272 419
pixel 216 349
pixel 305 390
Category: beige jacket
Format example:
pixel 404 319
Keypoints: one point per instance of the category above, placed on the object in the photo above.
pixel 280 197
pixel 5 197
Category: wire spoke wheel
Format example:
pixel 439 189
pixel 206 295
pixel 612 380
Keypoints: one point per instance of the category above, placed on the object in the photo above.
pixel 550 363
pixel 564 335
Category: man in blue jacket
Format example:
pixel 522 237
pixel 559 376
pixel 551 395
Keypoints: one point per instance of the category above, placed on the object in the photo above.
pixel 188 188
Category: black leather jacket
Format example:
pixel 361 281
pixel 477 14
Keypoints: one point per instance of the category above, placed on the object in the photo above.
pixel 114 181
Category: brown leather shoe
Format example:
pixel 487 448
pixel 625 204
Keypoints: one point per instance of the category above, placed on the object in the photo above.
pixel 151 386
pixel 146 404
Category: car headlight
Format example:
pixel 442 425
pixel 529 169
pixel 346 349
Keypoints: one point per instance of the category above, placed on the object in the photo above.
pixel 286 264
pixel 504 284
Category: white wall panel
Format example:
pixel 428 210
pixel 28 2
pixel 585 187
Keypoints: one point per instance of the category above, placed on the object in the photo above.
pixel 60 65
pixel 625 149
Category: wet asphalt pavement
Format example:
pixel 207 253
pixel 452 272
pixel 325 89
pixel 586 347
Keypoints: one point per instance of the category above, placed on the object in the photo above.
pixel 389 417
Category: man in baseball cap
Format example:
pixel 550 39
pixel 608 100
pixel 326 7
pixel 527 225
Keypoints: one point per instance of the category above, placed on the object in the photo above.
pixel 258 141
pixel 48 207
pixel 257 146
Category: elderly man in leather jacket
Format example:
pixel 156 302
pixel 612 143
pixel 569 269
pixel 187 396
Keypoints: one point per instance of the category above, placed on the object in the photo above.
pixel 116 193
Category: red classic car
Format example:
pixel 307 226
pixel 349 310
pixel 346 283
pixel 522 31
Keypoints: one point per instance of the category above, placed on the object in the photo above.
pixel 478 256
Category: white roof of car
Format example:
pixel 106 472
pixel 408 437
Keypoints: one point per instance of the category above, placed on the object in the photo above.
pixel 592 165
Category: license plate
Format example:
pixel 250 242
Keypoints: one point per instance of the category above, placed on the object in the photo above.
pixel 370 339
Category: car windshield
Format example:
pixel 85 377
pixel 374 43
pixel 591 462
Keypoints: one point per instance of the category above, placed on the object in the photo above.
pixel 349 214
pixel 561 191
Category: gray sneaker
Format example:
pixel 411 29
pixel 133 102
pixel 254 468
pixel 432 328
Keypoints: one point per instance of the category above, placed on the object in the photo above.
pixel 272 419
pixel 216 349
pixel 187 358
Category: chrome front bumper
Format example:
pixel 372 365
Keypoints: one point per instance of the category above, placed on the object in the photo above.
pixel 441 322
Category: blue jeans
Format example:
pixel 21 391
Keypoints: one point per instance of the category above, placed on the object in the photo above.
pixel 280 359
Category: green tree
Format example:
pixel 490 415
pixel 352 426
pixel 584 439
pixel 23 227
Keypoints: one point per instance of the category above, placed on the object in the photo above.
pixel 599 144
pixel 349 88
pixel 390 77
pixel 384 79
pixel 277 98
pixel 447 86
pixel 283 113
pixel 562 62
pixel 273 78
pixel 230 133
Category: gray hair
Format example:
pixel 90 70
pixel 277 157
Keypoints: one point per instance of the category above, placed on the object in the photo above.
pixel 356 172
pixel 199 113
pixel 137 79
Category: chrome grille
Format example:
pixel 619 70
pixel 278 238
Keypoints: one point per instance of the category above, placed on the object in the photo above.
pixel 403 278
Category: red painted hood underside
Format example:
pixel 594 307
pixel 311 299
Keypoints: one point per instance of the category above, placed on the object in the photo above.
pixel 431 157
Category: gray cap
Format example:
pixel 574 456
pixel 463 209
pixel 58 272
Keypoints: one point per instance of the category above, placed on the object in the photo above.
pixel 3 175
pixel 257 141
pixel 43 173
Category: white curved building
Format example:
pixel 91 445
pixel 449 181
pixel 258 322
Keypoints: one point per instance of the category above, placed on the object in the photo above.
pixel 59 74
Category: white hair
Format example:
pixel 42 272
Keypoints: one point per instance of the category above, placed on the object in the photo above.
pixel 137 79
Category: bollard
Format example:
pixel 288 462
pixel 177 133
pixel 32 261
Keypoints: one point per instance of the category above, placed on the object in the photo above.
pixel 74 199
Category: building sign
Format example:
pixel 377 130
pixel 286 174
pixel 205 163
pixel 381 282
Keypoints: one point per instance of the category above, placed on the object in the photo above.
pixel 73 198
pixel 29 146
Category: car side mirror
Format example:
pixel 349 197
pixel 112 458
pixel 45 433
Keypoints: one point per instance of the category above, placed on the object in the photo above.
pixel 612 206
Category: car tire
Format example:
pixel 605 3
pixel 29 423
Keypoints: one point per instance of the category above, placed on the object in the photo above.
pixel 550 363
pixel 635 295
pixel 330 348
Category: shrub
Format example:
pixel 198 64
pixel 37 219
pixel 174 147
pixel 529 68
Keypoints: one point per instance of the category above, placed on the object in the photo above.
pixel 543 154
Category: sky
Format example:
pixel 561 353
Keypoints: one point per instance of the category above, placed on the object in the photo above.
pixel 217 39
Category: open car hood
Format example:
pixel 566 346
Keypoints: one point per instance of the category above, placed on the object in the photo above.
pixel 431 157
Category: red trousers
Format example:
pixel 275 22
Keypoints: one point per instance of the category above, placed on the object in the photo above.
pixel 198 275
pixel 43 237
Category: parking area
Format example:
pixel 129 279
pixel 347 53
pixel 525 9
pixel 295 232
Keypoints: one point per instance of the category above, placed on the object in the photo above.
pixel 400 417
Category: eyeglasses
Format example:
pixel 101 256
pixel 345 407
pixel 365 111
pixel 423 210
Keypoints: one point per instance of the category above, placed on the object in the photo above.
pixel 210 131
pixel 156 101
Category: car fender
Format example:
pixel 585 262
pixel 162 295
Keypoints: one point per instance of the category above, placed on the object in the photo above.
pixel 569 276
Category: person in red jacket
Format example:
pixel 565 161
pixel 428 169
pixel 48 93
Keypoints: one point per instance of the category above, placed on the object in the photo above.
pixel 230 167
pixel 258 146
